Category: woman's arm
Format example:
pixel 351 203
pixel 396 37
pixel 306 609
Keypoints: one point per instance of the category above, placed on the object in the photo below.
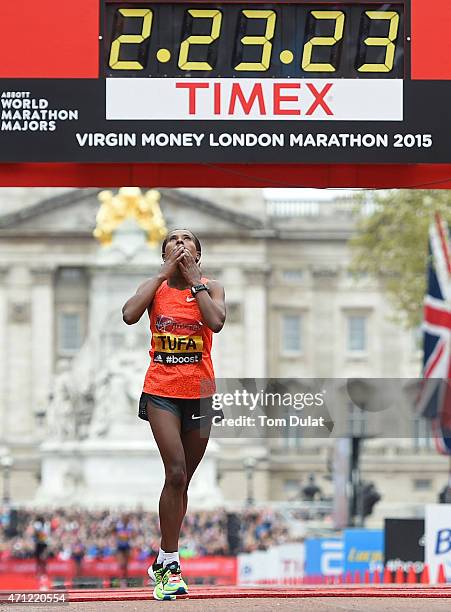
pixel 134 308
pixel 212 306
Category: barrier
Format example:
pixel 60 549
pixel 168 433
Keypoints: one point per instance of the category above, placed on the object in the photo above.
pixel 388 577
pixel 284 563
pixel 22 572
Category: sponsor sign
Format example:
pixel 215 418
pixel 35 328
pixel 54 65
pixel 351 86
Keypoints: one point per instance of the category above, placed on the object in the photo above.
pixel 253 100
pixel 261 82
pixel 363 549
pixel 282 562
pixel 404 544
pixel 221 120
pixel 438 539
pixel 324 557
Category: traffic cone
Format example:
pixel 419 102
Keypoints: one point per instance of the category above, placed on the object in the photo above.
pixel 441 577
pixel 399 576
pixel 376 577
pixel 366 576
pixel 348 577
pixel 387 579
pixel 357 579
pixel 425 575
pixel 411 576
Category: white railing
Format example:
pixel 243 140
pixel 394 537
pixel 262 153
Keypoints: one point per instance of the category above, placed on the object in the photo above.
pixel 307 208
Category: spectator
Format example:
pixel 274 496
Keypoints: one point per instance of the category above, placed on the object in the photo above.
pixel 78 534
pixel 41 530
pixel 78 553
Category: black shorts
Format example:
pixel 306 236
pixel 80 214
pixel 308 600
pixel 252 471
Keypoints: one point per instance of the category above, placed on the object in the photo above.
pixel 123 547
pixel 40 550
pixel 193 413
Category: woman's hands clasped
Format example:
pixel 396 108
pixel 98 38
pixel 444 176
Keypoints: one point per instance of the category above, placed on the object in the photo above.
pixel 189 268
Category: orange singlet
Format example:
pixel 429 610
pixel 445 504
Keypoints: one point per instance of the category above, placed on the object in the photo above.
pixel 180 354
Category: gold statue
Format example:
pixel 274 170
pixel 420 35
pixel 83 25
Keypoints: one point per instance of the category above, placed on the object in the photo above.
pixel 130 202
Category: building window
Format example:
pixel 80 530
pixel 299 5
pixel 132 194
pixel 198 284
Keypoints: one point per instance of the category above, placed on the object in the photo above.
pixel 70 332
pixel 292 276
pixel 357 341
pixel 71 275
pixel 417 338
pixel 357 420
pixel 422 484
pixel 292 439
pixel 356 276
pixel 291 333
pixel 422 433
pixel 292 487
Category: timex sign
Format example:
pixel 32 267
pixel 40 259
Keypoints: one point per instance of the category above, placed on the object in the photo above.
pixel 253 99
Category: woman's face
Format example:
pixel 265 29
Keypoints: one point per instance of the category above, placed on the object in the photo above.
pixel 183 237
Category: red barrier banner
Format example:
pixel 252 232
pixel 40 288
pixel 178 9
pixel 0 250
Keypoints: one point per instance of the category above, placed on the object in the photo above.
pixel 224 568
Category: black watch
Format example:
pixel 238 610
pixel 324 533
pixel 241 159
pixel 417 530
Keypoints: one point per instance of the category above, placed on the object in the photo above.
pixel 196 288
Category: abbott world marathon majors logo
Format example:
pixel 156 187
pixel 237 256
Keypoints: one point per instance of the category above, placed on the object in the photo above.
pixel 177 343
pixel 20 111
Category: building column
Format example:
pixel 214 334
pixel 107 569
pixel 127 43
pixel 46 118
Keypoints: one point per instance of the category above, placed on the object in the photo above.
pixel 17 349
pixel 324 317
pixel 42 338
pixel 255 339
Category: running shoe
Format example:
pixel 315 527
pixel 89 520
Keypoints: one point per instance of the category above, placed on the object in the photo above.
pixel 172 582
pixel 155 572
pixel 159 594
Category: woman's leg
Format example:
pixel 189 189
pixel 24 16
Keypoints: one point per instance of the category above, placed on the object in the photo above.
pixel 194 446
pixel 123 558
pixel 166 430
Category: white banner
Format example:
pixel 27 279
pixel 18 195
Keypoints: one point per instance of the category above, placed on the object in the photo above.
pixel 438 539
pixel 278 562
pixel 253 99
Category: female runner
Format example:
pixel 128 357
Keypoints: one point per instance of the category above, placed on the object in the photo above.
pixel 185 309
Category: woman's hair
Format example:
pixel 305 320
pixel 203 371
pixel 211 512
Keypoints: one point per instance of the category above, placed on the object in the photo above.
pixel 196 241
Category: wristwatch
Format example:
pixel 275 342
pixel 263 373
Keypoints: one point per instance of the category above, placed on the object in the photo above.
pixel 196 288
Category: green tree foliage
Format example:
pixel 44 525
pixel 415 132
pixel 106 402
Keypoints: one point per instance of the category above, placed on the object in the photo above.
pixel 392 245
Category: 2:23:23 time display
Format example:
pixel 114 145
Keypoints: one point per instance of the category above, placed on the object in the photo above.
pixel 340 40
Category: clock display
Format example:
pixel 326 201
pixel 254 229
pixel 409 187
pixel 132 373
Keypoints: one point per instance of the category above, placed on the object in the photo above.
pixel 292 40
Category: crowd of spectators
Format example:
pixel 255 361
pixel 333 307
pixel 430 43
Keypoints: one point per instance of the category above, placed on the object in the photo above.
pixel 75 533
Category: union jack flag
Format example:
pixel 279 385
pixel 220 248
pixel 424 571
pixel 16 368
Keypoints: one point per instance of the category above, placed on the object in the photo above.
pixel 435 395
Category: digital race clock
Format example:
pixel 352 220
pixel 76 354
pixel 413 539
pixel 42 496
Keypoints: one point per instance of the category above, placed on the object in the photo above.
pixel 292 40
pixel 321 82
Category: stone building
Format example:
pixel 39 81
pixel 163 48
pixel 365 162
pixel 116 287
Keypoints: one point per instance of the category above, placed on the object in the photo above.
pixel 294 310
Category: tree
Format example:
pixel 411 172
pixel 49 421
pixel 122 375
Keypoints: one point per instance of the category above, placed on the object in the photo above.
pixel 391 244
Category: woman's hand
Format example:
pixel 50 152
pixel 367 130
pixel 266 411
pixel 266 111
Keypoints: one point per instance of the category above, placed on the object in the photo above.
pixel 189 268
pixel 170 264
